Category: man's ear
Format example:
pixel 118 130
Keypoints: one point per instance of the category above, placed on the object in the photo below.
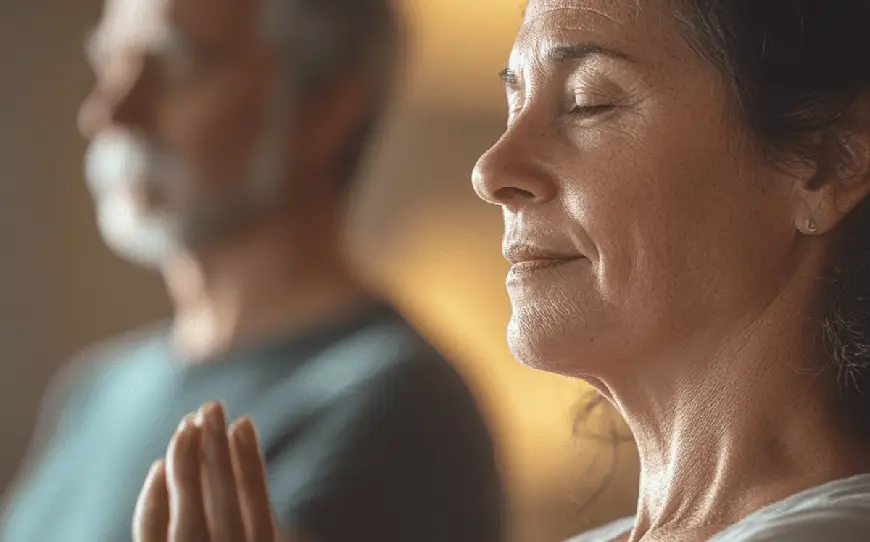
pixel 838 187
pixel 331 118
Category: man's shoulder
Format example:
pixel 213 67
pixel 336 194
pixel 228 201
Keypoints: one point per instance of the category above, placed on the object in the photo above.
pixel 411 386
pixel 117 348
pixel 69 390
pixel 391 355
pixel 85 369
pixel 382 373
pixel 379 411
pixel 385 347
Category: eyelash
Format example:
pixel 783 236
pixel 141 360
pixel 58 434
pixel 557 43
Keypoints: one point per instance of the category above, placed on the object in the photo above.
pixel 588 111
pixel 582 111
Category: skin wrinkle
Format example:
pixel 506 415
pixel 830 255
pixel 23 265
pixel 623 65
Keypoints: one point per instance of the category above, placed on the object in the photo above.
pixel 727 415
pixel 539 9
pixel 692 500
pixel 691 313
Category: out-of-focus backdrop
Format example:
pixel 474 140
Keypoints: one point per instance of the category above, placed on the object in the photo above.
pixel 425 236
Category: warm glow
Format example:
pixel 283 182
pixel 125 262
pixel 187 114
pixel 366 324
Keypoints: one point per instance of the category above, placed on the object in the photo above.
pixel 459 47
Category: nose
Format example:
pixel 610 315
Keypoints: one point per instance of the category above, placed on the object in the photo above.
pixel 513 173
pixel 119 98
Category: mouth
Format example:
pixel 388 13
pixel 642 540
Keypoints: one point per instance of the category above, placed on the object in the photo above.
pixel 529 268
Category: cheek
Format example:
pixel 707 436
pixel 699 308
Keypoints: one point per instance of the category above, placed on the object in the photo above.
pixel 214 130
pixel 678 224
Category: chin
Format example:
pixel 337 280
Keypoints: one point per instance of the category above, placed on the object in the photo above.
pixel 541 347
pixel 134 234
pixel 570 342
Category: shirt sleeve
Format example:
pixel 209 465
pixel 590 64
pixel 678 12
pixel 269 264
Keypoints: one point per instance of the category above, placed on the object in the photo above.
pixel 408 458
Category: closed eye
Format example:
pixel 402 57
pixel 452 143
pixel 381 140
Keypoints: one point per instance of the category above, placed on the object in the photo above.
pixel 587 111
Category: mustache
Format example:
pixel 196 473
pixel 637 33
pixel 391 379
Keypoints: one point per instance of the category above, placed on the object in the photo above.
pixel 114 160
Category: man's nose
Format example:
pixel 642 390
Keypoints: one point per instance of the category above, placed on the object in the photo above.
pixel 120 99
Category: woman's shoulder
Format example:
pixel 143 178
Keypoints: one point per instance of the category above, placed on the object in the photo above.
pixel 838 510
pixel 607 533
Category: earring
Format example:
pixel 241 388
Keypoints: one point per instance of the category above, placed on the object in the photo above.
pixel 811 226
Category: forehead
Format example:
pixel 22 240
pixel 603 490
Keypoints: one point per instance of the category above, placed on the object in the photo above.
pixel 145 20
pixel 641 28
pixel 616 10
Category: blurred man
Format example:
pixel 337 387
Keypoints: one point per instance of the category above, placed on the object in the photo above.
pixel 224 135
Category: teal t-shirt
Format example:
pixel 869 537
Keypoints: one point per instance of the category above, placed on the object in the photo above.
pixel 369 435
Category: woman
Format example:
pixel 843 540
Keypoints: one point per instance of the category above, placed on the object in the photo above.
pixel 684 185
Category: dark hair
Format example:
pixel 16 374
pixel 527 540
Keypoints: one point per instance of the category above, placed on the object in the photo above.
pixel 798 69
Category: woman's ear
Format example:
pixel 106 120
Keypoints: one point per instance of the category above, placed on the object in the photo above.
pixel 838 187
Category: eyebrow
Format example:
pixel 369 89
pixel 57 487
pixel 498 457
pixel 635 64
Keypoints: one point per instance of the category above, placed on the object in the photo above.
pixel 566 53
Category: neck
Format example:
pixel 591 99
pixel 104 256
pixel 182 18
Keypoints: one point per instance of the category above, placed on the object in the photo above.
pixel 754 421
pixel 261 284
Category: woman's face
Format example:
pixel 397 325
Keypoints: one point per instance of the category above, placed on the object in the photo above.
pixel 637 217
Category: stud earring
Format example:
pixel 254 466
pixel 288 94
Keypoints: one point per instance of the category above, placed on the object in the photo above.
pixel 811 226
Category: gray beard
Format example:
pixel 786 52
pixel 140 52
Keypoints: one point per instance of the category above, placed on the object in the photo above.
pixel 192 219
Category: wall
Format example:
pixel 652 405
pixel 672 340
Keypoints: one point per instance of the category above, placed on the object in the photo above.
pixel 38 57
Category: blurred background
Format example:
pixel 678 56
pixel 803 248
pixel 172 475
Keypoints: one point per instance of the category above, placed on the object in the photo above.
pixel 429 242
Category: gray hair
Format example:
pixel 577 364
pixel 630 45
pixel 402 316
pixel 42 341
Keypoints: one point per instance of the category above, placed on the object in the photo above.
pixel 325 39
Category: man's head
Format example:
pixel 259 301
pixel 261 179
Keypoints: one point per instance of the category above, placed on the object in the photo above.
pixel 210 115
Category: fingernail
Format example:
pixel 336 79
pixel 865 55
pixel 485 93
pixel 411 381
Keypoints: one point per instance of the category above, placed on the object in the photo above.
pixel 246 433
pixel 215 418
pixel 185 422
pixel 153 471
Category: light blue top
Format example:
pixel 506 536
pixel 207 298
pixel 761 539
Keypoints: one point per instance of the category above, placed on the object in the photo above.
pixel 367 433
pixel 838 511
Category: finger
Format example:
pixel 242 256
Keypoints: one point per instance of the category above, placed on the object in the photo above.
pixel 221 499
pixel 151 519
pixel 187 517
pixel 250 473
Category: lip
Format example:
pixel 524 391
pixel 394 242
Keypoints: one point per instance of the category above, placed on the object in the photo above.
pixel 526 269
pixel 518 253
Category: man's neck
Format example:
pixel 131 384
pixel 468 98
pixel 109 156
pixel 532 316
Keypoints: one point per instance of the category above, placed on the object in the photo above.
pixel 732 424
pixel 257 289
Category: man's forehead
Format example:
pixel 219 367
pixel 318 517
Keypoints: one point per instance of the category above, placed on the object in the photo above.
pixel 133 17
pixel 147 19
